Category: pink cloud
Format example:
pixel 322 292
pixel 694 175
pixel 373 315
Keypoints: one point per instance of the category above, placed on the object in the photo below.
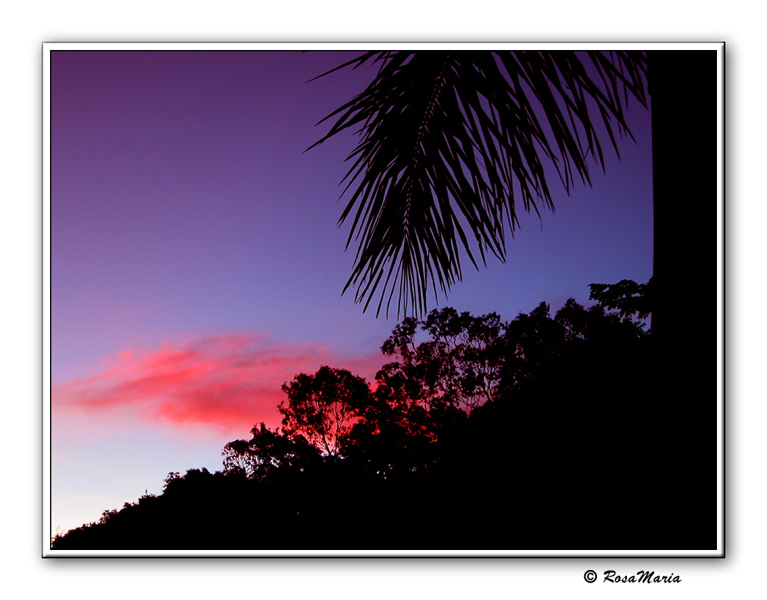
pixel 228 380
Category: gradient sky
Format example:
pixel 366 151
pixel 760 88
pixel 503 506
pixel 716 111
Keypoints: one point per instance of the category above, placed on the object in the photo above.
pixel 196 263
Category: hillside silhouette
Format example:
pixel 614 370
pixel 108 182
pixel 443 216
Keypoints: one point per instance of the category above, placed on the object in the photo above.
pixel 528 434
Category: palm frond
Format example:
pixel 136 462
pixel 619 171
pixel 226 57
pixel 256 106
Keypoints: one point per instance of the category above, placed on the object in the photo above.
pixel 451 142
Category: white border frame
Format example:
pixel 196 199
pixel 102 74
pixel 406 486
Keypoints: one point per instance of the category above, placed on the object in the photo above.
pixel 47 532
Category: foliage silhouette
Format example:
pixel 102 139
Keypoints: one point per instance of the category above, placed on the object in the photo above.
pixel 320 407
pixel 456 366
pixel 552 450
pixel 269 455
pixel 451 142
pixel 627 297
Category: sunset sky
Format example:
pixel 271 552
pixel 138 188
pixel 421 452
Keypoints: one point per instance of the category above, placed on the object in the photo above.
pixel 196 262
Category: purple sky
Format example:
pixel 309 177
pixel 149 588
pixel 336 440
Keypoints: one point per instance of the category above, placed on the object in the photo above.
pixel 196 263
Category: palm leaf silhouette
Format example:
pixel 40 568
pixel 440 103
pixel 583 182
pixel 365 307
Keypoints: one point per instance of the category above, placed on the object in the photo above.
pixel 452 142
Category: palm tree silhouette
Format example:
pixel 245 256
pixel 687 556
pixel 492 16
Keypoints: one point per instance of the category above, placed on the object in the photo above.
pixel 452 142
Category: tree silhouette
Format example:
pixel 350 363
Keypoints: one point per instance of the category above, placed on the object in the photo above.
pixel 452 142
pixel 321 407
pixel 456 367
pixel 269 454
pixel 561 455
pixel 628 297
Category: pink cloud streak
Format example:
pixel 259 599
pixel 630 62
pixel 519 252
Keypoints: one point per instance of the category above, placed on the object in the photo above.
pixel 228 381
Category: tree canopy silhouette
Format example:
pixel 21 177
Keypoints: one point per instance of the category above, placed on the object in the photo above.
pixel 451 143
pixel 320 407
pixel 269 454
pixel 526 434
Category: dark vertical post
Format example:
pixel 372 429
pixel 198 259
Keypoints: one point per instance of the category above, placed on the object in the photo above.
pixel 683 91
